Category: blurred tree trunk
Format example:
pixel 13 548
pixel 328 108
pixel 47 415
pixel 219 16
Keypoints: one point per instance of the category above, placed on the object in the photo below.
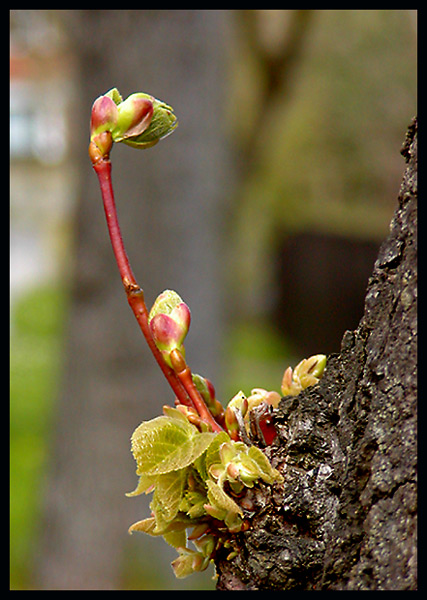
pixel 345 517
pixel 170 203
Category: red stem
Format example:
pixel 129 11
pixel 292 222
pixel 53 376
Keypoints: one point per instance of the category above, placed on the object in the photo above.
pixel 135 294
pixel 180 379
pixel 184 374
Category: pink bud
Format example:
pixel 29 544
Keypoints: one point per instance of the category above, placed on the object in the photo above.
pixel 134 117
pixel 232 470
pixel 104 115
pixel 286 381
pixel 232 424
pixel 169 321
pixel 167 333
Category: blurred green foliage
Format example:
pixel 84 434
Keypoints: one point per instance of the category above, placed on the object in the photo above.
pixel 326 154
pixel 257 357
pixel 35 364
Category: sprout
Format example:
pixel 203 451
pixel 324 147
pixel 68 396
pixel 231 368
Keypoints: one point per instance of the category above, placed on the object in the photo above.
pixel 169 321
pixel 139 121
pixel 306 373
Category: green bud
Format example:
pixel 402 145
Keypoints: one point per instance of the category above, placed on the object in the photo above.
pixel 114 95
pixel 231 423
pixel 318 365
pixel 143 121
pixel 139 121
pixel 239 402
pixel 163 123
pixel 306 373
pixel 206 545
pixel 134 117
pixel 207 391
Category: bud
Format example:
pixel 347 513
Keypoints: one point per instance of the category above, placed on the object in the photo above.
pixel 207 391
pixel 239 402
pixel 306 373
pixel 286 387
pixel 317 364
pixel 103 119
pixel 231 423
pixel 162 124
pixel 206 545
pixel 259 396
pixel 139 121
pixel 134 117
pixel 169 321
pixel 104 116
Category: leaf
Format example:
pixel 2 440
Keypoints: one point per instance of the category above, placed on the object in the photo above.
pixel 223 507
pixel 169 491
pixel 187 563
pixel 212 453
pixel 176 539
pixel 146 526
pixel 145 484
pixel 166 444
pixel 149 526
pixel 266 471
pixel 219 499
pixel 193 504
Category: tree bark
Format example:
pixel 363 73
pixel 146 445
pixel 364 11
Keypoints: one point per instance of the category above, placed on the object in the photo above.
pixel 345 516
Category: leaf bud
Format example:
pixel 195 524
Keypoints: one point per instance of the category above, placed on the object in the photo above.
pixel 231 423
pixel 139 121
pixel 103 119
pixel 239 402
pixel 134 117
pixel 259 396
pixel 169 321
pixel 162 124
pixel 104 116
pixel 207 391
pixel 142 119
pixel 306 373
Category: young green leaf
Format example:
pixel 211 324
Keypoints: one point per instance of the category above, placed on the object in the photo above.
pixel 176 539
pixel 146 526
pixel 165 444
pixel 222 502
pixel 266 471
pixel 149 526
pixel 188 562
pixel 146 484
pixel 193 504
pixel 212 453
pixel 169 491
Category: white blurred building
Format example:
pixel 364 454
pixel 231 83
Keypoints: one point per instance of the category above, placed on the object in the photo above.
pixel 41 178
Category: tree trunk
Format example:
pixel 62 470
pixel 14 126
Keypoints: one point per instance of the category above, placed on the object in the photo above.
pixel 345 516
pixel 169 201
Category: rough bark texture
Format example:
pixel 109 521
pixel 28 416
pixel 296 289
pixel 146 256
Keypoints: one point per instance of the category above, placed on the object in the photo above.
pixel 345 516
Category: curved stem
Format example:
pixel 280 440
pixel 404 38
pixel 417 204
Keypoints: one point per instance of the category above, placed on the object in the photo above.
pixel 103 170
pixel 134 293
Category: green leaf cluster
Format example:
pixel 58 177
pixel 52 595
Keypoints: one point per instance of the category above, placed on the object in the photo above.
pixel 187 470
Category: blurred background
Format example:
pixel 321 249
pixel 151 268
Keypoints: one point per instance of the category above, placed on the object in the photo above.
pixel 264 210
